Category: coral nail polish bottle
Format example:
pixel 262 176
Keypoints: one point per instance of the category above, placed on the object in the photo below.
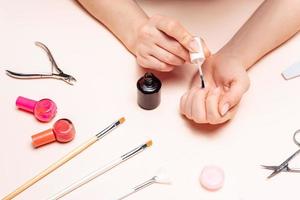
pixel 63 131
pixel 44 110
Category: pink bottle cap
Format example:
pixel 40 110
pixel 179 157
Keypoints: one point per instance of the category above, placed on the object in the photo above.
pixel 45 110
pixel 63 131
pixel 212 178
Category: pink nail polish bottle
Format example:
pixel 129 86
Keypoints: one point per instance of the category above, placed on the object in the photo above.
pixel 44 110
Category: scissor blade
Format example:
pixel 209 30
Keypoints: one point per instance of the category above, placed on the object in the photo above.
pixel 274 173
pixel 286 169
pixel 281 168
pixel 269 167
pixel 276 170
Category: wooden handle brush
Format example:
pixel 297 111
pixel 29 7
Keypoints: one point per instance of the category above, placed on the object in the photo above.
pixel 64 159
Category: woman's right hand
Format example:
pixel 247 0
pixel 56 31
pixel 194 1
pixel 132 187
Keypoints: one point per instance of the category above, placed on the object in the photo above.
pixel 162 44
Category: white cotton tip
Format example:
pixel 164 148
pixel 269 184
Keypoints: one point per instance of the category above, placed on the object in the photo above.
pixel 197 57
pixel 292 71
pixel 162 176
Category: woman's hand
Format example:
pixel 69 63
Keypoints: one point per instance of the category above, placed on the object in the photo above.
pixel 226 82
pixel 162 44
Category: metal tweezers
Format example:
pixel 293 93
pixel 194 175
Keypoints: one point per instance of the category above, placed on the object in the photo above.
pixel 56 72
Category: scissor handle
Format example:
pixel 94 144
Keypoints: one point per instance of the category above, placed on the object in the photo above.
pixel 294 137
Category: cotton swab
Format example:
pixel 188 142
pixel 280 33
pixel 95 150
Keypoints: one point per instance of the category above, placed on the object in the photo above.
pixel 102 170
pixel 161 177
pixel 64 159
pixel 198 58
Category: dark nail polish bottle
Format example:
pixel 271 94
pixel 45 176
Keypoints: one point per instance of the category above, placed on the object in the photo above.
pixel 148 96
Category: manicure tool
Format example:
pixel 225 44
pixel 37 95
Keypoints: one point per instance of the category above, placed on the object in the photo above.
pixel 44 110
pixel 284 166
pixel 102 170
pixel 198 58
pixel 64 159
pixel 56 72
pixel 292 71
pixel 161 177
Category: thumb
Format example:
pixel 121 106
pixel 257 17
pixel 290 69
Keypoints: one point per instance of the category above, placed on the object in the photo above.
pixel 231 97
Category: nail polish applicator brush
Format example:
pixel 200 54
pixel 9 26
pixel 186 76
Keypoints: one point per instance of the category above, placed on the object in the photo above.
pixel 198 58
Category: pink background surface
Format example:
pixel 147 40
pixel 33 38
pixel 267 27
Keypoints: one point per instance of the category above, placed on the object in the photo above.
pixel 261 132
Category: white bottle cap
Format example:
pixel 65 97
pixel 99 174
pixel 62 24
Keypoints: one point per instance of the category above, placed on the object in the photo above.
pixel 197 56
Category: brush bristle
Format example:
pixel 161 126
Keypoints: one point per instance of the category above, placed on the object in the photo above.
pixel 122 120
pixel 202 84
pixel 149 143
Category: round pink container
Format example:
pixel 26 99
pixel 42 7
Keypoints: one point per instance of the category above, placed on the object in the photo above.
pixel 212 178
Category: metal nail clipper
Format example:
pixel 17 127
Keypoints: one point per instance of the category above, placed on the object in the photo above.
pixel 284 166
pixel 56 72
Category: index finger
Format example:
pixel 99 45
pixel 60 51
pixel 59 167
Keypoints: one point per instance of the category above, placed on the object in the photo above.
pixel 174 29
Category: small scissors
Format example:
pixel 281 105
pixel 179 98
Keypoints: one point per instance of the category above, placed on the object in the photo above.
pixel 58 75
pixel 284 167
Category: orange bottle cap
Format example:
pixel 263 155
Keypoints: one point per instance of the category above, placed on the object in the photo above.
pixel 43 138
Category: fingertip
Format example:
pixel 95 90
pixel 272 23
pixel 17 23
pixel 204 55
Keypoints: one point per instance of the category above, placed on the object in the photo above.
pixel 189 102
pixel 198 108
pixel 230 98
pixel 186 56
pixel 229 115
pixel 224 108
pixel 182 102
pixel 212 105
pixel 181 62
pixel 167 69
pixel 164 67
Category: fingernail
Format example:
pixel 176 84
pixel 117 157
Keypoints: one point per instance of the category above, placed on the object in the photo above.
pixel 216 90
pixel 225 109
pixel 194 45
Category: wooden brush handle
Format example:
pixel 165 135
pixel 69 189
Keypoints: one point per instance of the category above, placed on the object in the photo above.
pixel 51 168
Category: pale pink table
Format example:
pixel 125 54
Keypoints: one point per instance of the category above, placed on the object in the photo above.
pixel 261 133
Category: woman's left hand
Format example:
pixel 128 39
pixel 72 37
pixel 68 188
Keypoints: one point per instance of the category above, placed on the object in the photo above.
pixel 226 82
